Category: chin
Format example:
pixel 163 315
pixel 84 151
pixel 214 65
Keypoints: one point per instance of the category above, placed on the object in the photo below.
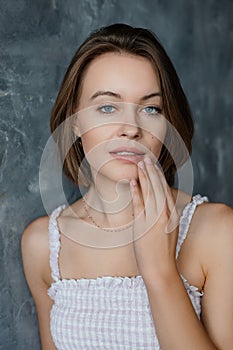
pixel 121 173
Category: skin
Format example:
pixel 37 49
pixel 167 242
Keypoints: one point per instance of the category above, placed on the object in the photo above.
pixel 104 132
pixel 205 258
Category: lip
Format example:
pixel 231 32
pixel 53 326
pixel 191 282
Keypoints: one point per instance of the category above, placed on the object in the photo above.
pixel 127 158
pixel 128 149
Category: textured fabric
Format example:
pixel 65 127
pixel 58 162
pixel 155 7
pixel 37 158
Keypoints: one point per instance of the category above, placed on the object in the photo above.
pixel 107 312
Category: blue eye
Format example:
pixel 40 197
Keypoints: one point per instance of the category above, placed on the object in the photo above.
pixel 152 110
pixel 107 109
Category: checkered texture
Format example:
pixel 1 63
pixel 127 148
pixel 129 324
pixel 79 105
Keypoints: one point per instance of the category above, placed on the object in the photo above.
pixel 107 312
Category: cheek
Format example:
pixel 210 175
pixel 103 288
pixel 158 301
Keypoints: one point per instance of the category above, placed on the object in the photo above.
pixel 94 147
pixel 96 139
pixel 89 146
pixel 156 139
pixel 91 139
pixel 155 146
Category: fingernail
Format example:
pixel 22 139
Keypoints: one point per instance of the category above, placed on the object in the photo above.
pixel 133 182
pixel 147 160
pixel 141 164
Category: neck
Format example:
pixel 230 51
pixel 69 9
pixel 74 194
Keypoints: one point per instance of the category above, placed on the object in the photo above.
pixel 110 203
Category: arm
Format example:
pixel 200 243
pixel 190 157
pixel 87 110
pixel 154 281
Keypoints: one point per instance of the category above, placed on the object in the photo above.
pixel 35 253
pixel 176 322
pixel 171 308
pixel 217 302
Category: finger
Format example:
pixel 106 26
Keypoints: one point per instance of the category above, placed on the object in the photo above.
pixel 146 188
pixel 173 215
pixel 173 222
pixel 160 173
pixel 138 205
pixel 157 185
pixel 166 188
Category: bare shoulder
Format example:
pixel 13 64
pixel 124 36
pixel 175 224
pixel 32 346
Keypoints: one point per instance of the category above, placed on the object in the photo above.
pixel 211 227
pixel 35 254
pixel 38 226
pixel 212 218
pixel 212 224
pixel 35 236
pixel 215 218
pixel 35 249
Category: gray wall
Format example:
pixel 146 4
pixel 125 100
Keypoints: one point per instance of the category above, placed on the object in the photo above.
pixel 38 39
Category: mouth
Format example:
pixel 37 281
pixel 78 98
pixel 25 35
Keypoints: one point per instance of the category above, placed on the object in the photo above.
pixel 128 155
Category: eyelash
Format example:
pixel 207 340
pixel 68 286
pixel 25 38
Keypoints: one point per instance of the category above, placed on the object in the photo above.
pixel 100 109
pixel 157 109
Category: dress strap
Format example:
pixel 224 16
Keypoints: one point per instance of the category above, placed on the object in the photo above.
pixel 54 242
pixel 186 218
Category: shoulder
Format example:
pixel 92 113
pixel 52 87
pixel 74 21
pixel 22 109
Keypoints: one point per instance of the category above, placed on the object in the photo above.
pixel 213 227
pixel 35 254
pixel 215 236
pixel 214 217
pixel 36 233
pixel 35 249
pixel 208 216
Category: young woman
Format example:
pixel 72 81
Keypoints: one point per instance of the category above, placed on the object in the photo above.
pixel 135 263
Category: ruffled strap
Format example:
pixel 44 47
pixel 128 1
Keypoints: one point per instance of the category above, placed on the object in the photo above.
pixel 54 243
pixel 186 218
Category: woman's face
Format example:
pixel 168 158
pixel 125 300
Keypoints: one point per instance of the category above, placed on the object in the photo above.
pixel 119 115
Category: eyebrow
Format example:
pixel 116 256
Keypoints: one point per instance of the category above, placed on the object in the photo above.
pixel 153 94
pixel 114 94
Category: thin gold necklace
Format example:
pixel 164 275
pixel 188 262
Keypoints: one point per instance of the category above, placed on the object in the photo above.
pixel 100 227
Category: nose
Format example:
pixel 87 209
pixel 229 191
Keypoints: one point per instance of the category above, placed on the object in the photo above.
pixel 129 126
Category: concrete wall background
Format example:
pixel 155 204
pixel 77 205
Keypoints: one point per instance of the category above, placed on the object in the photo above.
pixel 37 40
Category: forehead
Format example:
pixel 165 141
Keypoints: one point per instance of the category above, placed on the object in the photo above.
pixel 128 75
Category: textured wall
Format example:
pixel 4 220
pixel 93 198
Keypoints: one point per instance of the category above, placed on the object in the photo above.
pixel 38 39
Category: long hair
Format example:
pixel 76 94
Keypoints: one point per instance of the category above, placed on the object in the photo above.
pixel 122 38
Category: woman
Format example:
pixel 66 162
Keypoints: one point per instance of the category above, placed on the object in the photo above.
pixel 165 279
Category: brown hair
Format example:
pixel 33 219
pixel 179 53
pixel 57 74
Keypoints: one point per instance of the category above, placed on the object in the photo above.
pixel 123 38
